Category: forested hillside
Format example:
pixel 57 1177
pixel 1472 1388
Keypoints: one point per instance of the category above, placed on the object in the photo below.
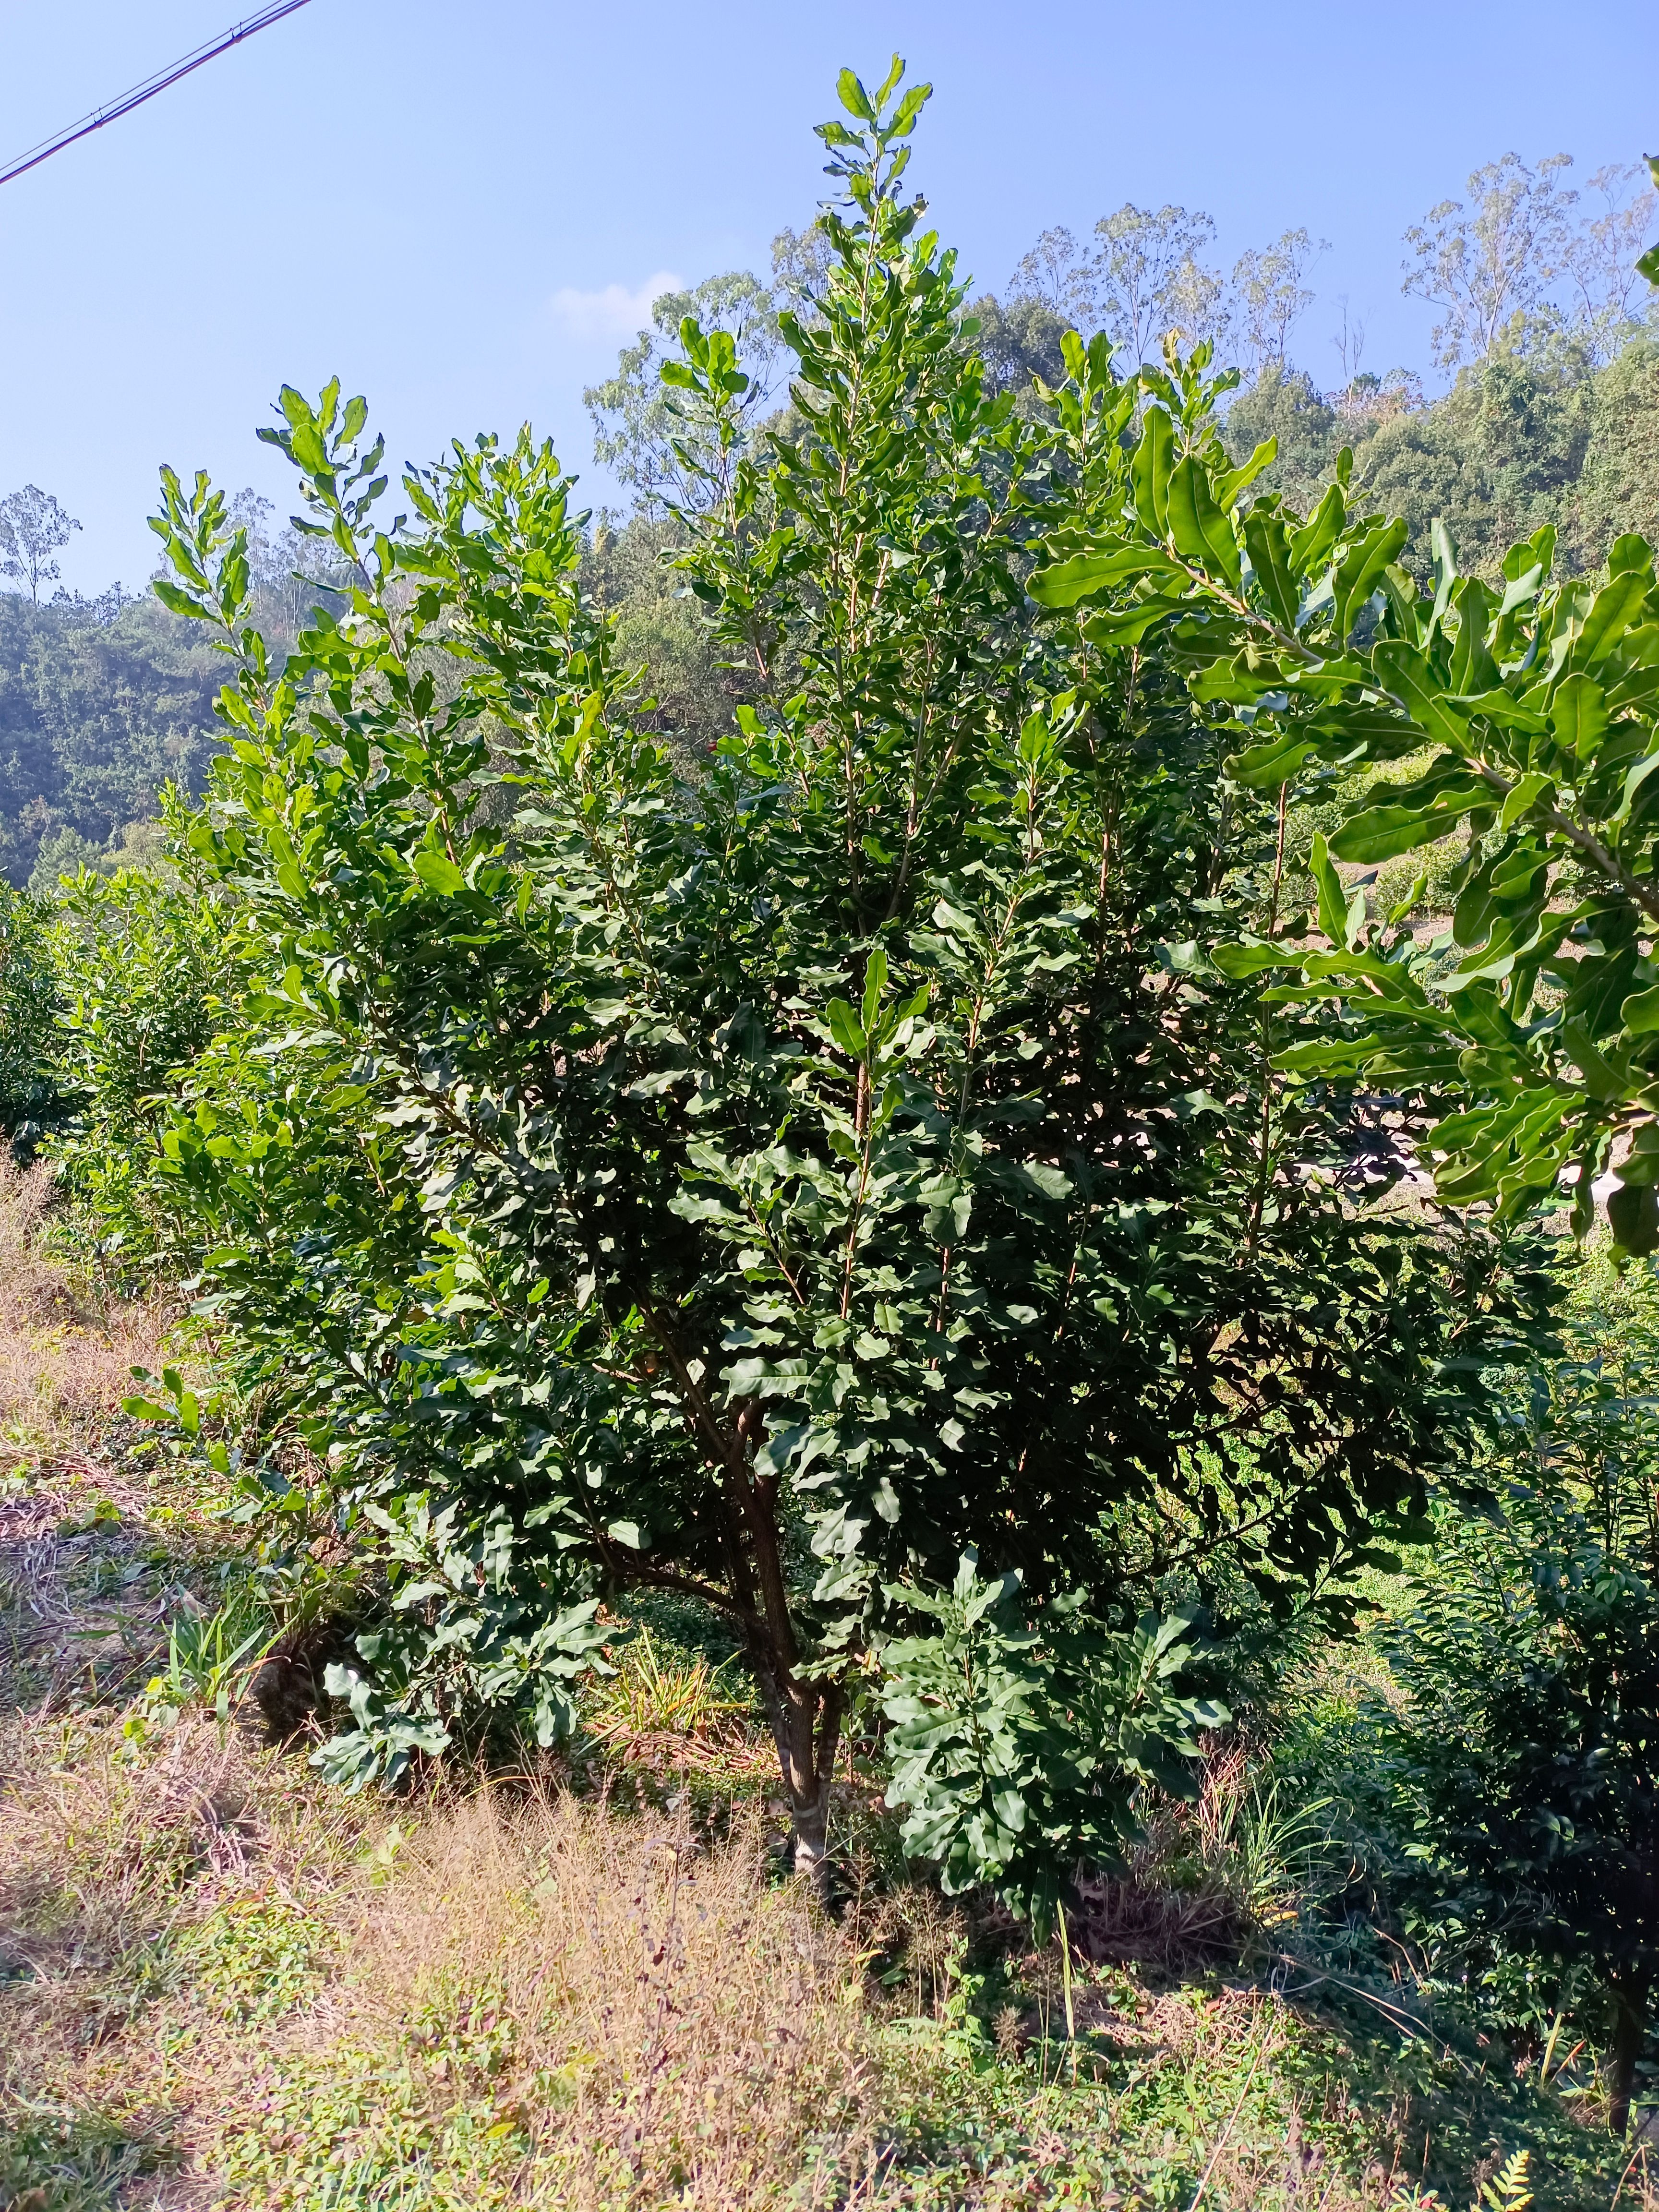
pixel 1535 433
pixel 1551 416
pixel 104 702
pixel 99 709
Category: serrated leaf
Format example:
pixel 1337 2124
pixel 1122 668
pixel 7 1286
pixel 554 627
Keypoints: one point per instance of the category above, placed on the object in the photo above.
pixel 1128 624
pixel 1402 669
pixel 1239 960
pixel 1361 572
pixel 1266 766
pixel 439 872
pixel 1614 608
pixel 180 602
pixel 1149 470
pixel 1267 541
pixel 1203 532
pixel 1063 583
pixel 1341 916
pixel 1381 833
pixel 843 1025
pixel 1579 715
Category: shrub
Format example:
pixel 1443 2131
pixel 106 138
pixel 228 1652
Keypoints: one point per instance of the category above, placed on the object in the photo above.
pixel 768 1181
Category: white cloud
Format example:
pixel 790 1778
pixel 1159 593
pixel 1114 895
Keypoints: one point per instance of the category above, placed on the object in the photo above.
pixel 614 312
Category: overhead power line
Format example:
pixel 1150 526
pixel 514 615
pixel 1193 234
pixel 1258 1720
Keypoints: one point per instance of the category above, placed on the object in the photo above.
pixel 148 89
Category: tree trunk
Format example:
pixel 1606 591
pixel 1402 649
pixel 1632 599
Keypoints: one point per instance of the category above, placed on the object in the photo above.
pixel 811 1821
pixel 1630 2027
pixel 805 1718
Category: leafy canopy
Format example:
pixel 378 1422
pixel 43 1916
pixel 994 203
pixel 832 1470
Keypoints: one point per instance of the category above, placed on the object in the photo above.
pixel 774 1180
pixel 1530 718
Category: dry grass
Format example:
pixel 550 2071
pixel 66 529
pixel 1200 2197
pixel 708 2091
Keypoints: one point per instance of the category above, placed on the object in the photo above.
pixel 276 1998
pixel 650 2021
pixel 66 1349
pixel 220 1982
pixel 221 1985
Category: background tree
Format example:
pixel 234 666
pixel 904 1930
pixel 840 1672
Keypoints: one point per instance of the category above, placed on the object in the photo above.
pixel 1058 275
pixel 800 267
pixel 1618 485
pixel 654 437
pixel 628 574
pixel 1483 265
pixel 1604 288
pixel 1270 298
pixel 1144 276
pixel 34 527
pixel 1149 278
pixel 1021 345
pixel 29 1006
pixel 100 709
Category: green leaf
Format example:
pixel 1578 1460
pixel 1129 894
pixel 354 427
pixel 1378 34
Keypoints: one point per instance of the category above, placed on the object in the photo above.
pixel 1380 833
pixel 1267 541
pixel 1404 672
pixel 904 119
pixel 1228 487
pixel 1360 573
pixel 1203 532
pixel 1500 708
pixel 1341 916
pixel 1239 960
pixel 1633 1217
pixel 875 982
pixel 1064 583
pixel 1634 781
pixel 1473 670
pixel 1522 588
pixel 439 872
pixel 1231 682
pixel 1311 544
pixel 1579 715
pixel 854 97
pixel 1526 795
pixel 180 602
pixel 1445 565
pixel 843 1026
pixel 145 1409
pixel 1615 607
pixel 1149 471
pixel 1267 765
pixel 1333 899
pixel 1128 624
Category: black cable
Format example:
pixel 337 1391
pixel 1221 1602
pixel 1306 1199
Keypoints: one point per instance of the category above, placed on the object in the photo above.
pixel 148 89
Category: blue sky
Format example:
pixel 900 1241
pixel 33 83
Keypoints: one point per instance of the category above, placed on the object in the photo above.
pixel 462 208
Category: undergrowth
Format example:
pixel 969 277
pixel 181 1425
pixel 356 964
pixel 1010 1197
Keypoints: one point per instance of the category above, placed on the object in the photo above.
pixel 585 1981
